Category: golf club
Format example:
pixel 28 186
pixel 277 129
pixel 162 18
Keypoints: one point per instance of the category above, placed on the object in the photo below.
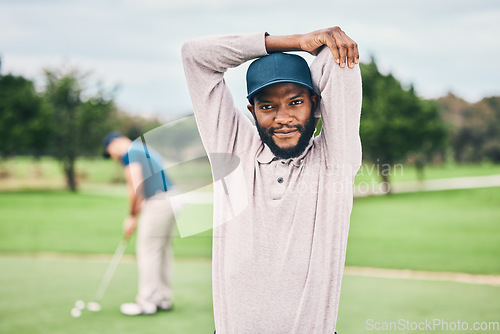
pixel 108 275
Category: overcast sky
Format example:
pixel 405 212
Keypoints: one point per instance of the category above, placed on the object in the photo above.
pixel 437 45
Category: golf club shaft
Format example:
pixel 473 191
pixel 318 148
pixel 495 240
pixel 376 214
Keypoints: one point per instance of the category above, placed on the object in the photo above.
pixel 110 271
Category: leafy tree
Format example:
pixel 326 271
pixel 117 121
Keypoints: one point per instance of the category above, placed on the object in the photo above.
pixel 475 128
pixel 24 119
pixel 181 138
pixel 81 118
pixel 430 134
pixel 133 126
pixel 396 123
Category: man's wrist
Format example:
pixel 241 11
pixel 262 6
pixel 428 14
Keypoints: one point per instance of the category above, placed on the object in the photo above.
pixel 283 43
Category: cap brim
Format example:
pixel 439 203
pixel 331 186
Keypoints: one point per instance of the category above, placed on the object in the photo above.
pixel 255 91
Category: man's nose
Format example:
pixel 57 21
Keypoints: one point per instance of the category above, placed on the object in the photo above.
pixel 283 116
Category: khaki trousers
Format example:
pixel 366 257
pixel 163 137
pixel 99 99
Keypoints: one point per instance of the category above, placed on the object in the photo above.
pixel 154 251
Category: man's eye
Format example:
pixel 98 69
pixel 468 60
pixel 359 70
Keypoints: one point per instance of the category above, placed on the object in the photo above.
pixel 295 102
pixel 266 107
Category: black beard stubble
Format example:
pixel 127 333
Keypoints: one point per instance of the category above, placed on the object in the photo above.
pixel 291 152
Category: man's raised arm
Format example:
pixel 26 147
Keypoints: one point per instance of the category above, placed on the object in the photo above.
pixel 340 107
pixel 223 129
pixel 344 50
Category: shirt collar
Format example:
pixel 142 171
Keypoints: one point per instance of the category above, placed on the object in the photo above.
pixel 266 156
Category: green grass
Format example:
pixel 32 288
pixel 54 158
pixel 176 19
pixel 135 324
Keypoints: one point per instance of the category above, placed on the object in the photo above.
pixel 28 172
pixel 23 167
pixel 38 294
pixel 88 169
pixel 406 172
pixel 437 231
pixel 101 171
pixel 389 300
pixel 59 221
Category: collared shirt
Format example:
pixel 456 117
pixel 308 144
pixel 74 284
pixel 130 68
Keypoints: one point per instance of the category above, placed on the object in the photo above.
pixel 154 178
pixel 281 171
pixel 280 225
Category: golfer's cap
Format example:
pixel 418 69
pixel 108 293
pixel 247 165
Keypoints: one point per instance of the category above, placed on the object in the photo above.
pixel 108 139
pixel 277 68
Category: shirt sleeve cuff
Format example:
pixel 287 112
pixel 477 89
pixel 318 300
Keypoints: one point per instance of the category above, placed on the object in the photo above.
pixel 256 45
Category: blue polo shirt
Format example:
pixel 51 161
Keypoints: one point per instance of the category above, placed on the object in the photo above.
pixel 155 178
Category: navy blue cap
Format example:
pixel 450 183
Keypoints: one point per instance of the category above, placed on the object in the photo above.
pixel 277 68
pixel 109 137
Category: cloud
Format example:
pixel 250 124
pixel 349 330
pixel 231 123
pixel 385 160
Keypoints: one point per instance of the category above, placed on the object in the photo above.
pixel 437 45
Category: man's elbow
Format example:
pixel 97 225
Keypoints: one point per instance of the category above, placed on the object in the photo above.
pixel 189 50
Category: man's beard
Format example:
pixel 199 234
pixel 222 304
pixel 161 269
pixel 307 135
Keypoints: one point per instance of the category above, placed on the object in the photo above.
pixel 291 152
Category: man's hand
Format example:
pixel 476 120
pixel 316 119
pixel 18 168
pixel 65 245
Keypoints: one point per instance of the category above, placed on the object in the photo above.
pixel 343 48
pixel 129 226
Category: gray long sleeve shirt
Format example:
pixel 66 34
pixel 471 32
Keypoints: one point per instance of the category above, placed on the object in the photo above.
pixel 280 226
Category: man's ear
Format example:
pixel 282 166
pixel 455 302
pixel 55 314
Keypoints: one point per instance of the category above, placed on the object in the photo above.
pixel 315 101
pixel 251 108
pixel 315 104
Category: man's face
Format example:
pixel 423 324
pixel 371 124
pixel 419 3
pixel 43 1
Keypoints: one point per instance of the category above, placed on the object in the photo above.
pixel 284 116
pixel 118 147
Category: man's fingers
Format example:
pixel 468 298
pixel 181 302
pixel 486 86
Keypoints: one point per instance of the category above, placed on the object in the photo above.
pixel 343 48
pixel 352 50
pixel 341 45
pixel 332 45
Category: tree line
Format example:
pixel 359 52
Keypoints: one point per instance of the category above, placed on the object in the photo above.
pixel 67 119
pixel 474 128
pixel 70 115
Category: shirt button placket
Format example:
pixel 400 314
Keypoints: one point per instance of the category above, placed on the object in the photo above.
pixel 280 171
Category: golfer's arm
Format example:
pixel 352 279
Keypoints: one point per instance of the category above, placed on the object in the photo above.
pixel 133 175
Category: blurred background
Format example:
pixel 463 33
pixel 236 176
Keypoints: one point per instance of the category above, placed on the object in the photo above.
pixel 424 240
